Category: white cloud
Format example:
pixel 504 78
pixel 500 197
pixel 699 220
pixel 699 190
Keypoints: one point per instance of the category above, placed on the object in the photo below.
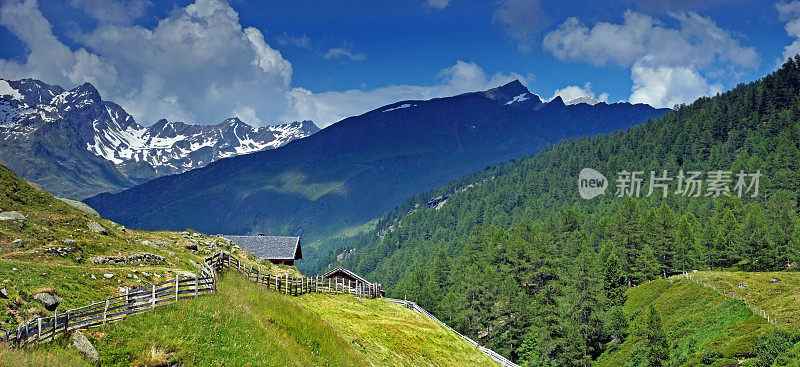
pixel 329 107
pixel 521 19
pixel 571 92
pixel 438 4
pixel 285 39
pixel 113 11
pixel 48 58
pixel 698 42
pixel 344 53
pixel 651 48
pixel 790 13
pixel 666 86
pixel 197 65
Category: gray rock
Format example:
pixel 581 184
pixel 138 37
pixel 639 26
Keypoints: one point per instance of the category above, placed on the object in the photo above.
pixel 12 216
pixel 108 275
pixel 86 348
pixel 97 228
pixel 49 300
pixel 81 206
pixel 18 242
pixel 4 293
pixel 69 241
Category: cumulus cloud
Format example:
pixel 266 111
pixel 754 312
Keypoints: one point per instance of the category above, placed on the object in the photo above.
pixel 48 58
pixel 330 107
pixel 521 19
pixel 344 53
pixel 665 86
pixel 790 13
pixel 437 4
pixel 651 48
pixel 113 11
pixel 571 92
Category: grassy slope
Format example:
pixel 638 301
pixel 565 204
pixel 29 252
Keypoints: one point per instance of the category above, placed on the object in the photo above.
pixel 688 310
pixel 244 324
pixel 780 299
pixel 238 326
pixel 391 335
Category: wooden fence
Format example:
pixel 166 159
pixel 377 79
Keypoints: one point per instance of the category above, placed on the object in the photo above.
pixel 151 297
pixel 295 286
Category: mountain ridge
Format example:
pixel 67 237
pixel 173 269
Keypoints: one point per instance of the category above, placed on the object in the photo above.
pixel 36 118
pixel 349 172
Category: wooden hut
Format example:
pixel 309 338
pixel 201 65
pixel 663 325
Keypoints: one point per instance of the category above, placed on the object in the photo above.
pixel 352 280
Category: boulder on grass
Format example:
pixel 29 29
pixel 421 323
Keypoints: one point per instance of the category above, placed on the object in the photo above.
pixel 12 216
pixel 49 300
pixel 97 228
pixel 86 348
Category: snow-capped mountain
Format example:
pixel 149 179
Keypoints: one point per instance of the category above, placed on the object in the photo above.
pixel 36 118
pixel 174 147
pixel 585 99
pixel 514 94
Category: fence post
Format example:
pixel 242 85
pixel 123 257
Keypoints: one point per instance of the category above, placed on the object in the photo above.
pixel 177 280
pixel 153 299
pixel 196 285
pixel 105 313
pixel 66 323
pixel 55 325
pixel 39 331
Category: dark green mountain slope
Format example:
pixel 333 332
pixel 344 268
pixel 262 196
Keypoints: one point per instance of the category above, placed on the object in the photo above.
pixel 513 255
pixel 358 168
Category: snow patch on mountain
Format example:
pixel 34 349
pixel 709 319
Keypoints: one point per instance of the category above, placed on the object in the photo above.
pixel 7 90
pixel 404 105
pixel 520 98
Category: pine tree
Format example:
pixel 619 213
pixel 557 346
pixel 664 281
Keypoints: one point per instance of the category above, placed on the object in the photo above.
pixel 617 324
pixel 583 306
pixel 614 284
pixel 685 244
pixel 661 238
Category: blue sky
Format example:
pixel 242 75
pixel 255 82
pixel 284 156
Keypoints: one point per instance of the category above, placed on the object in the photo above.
pixel 276 61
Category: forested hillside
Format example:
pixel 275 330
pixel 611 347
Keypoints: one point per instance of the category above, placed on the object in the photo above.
pixel 514 257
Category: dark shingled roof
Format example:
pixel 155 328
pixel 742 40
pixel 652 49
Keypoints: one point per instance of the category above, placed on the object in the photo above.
pixel 270 247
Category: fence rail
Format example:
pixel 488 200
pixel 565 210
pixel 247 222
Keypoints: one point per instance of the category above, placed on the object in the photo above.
pixel 295 286
pixel 503 361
